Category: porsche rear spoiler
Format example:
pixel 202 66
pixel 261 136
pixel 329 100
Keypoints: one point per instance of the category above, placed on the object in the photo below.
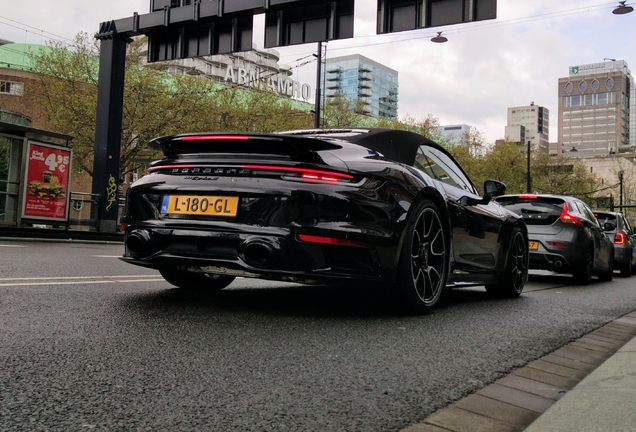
pixel 239 143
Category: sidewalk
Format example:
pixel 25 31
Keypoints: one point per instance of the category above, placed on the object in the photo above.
pixel 587 385
pixel 604 401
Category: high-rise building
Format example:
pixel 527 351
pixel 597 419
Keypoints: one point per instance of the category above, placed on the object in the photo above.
pixel 359 78
pixel 454 133
pixel 529 123
pixel 596 111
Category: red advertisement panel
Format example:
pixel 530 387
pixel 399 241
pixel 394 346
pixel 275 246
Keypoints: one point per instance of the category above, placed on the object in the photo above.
pixel 48 175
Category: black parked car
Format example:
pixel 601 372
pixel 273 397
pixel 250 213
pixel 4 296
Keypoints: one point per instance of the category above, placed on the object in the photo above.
pixel 565 236
pixel 375 205
pixel 620 233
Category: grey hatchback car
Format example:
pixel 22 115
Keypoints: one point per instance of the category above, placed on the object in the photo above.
pixel 564 236
pixel 619 232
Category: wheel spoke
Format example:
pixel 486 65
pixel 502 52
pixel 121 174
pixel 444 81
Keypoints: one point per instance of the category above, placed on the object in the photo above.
pixel 428 256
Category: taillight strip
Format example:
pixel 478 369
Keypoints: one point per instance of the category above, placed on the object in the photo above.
pixel 324 175
pixel 215 138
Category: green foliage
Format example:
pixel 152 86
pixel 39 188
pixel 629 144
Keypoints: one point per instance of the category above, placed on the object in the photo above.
pixel 156 103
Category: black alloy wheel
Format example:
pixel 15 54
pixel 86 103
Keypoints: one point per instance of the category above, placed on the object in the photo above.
pixel 196 281
pixel 423 266
pixel 516 271
pixel 583 273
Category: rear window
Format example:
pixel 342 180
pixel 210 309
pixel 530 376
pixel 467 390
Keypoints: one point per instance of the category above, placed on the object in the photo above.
pixel 604 217
pixel 534 211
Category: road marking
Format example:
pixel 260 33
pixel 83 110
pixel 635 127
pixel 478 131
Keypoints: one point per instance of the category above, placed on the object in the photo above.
pixel 7 245
pixel 107 256
pixel 81 282
pixel 79 277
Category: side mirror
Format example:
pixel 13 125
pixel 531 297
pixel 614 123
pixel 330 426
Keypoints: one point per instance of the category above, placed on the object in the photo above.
pixel 469 201
pixel 494 188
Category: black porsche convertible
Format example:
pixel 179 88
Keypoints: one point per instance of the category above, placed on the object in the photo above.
pixel 377 206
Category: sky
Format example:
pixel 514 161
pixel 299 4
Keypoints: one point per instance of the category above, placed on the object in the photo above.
pixel 484 68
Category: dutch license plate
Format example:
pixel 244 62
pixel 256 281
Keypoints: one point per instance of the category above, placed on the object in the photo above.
pixel 200 205
pixel 533 245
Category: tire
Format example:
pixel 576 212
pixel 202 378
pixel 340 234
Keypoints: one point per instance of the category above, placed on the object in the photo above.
pixel 584 275
pixel 516 272
pixel 196 281
pixel 424 260
pixel 609 274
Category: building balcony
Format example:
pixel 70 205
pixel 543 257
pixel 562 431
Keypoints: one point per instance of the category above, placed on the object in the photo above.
pixel 364 68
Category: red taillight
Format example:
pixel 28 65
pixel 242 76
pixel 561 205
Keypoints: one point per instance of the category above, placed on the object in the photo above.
pixel 619 238
pixel 528 196
pixel 215 138
pixel 305 173
pixel 555 243
pixel 568 218
pixel 332 241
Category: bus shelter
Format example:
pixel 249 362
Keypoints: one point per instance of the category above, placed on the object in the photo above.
pixel 35 174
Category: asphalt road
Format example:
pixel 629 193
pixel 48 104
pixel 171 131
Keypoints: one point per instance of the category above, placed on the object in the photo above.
pixel 88 342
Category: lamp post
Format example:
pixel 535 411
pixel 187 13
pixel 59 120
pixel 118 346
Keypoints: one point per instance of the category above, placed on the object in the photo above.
pixel 317 103
pixel 528 176
pixel 620 189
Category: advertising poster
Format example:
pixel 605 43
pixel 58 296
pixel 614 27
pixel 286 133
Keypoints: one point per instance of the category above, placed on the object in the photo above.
pixel 47 179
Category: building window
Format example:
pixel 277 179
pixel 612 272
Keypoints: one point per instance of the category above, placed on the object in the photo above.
pixel 582 86
pixel 609 83
pixel 595 85
pixel 568 87
pixel 12 88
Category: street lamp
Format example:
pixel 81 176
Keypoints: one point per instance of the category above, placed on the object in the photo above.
pixel 439 38
pixel 622 9
pixel 528 176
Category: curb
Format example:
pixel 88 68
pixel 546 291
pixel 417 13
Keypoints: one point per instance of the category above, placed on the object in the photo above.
pixel 515 401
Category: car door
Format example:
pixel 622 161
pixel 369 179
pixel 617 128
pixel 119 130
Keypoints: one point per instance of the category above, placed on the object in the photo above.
pixel 474 225
pixel 631 238
pixel 603 247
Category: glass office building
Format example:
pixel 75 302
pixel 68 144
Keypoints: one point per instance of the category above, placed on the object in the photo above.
pixel 359 78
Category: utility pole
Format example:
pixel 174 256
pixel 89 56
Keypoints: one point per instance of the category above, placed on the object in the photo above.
pixel 620 189
pixel 528 176
pixel 317 103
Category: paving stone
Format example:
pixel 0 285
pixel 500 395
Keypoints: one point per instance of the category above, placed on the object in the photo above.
pixel 601 341
pixel 603 350
pixel 533 387
pixel 621 327
pixel 546 377
pixel 568 362
pixel 558 369
pixel 581 355
pixel 626 320
pixel 424 427
pixel 459 420
pixel 498 410
pixel 612 336
pixel 517 398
